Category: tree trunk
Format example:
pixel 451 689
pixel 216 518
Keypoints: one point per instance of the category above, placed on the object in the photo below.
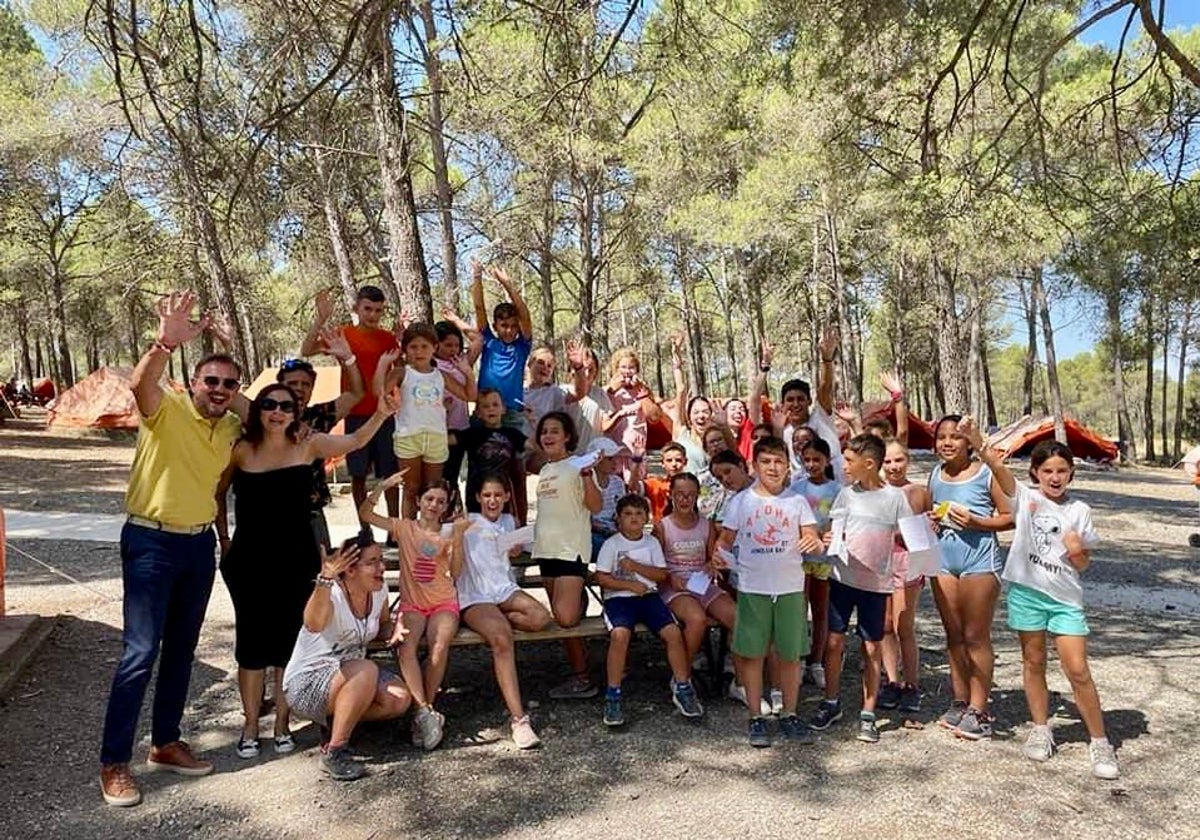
pixel 691 324
pixel 22 318
pixel 441 172
pixel 38 362
pixel 1148 396
pixel 1038 293
pixel 135 333
pixel 989 397
pixel 1166 348
pixel 546 257
pixel 585 216
pixel 379 246
pixel 1112 306
pixel 58 312
pixel 974 342
pixel 850 374
pixel 399 204
pixel 1031 354
pixel 1184 335
pixel 952 379
pixel 336 226
pixel 658 359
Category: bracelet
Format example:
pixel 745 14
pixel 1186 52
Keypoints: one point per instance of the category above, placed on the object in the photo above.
pixel 163 346
pixel 897 396
pixel 827 361
pixel 324 582
pixel 765 368
pixel 348 362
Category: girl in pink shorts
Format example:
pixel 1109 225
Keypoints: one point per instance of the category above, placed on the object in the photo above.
pixel 431 559
pixel 688 541
pixel 901 658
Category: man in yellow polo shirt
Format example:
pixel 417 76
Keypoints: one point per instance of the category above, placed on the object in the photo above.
pixel 168 549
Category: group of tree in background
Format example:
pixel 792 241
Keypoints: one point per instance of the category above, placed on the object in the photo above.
pixel 929 177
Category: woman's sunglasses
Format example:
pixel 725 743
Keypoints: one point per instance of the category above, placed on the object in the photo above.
pixel 270 404
pixel 228 384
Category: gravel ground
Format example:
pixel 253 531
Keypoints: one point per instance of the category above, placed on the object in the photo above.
pixel 661 773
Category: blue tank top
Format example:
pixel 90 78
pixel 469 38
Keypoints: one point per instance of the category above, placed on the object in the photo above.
pixel 963 550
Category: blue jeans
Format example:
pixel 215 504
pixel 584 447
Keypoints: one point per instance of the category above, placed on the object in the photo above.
pixel 167 579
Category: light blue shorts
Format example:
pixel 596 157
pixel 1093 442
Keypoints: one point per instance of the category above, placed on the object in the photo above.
pixel 1031 611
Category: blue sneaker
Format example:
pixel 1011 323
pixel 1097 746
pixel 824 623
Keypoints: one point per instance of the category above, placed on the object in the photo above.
pixel 794 730
pixel 759 737
pixel 613 715
pixel 684 697
pixel 828 713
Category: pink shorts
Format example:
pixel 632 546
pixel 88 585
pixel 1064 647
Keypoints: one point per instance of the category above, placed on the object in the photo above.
pixel 900 571
pixel 669 593
pixel 445 606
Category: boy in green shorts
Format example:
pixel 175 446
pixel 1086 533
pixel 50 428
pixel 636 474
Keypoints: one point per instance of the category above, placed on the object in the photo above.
pixel 769 528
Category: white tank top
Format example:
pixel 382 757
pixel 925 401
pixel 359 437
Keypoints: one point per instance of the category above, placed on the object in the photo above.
pixel 345 636
pixel 422 402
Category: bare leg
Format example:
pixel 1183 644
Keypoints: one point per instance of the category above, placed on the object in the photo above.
pixel 872 653
pixel 833 664
pixel 789 677
pixel 618 649
pixel 488 621
pixel 906 630
pixel 566 603
pixel 410 668
pixel 946 596
pixel 250 685
pixel 818 602
pixel 978 595
pixel 1033 674
pixel 677 654
pixel 891 643
pixel 412 485
pixel 524 613
pixel 520 496
pixel 724 611
pixel 1072 655
pixel 358 489
pixel 750 675
pixel 283 712
pixel 390 701
pixel 773 677
pixel 695 622
pixel 350 695
pixel 439 633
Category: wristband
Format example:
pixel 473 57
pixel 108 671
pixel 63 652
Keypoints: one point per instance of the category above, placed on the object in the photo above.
pixel 765 368
pixel 324 582
pixel 826 361
pixel 897 396
pixel 350 361
pixel 159 344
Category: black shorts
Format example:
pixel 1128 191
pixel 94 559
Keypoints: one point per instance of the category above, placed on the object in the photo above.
pixel 554 568
pixel 378 450
pixel 870 606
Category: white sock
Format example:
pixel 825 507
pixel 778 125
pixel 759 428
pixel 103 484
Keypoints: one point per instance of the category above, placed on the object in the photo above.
pixel 1102 740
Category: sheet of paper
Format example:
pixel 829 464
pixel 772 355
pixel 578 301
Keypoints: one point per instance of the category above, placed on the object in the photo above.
pixel 698 582
pixel 638 555
pixel 521 536
pixel 917 532
pixel 927 562
pixel 584 461
pixel 728 556
pixel 837 545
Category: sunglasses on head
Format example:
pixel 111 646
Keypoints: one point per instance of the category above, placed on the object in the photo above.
pixel 228 384
pixel 297 364
pixel 270 404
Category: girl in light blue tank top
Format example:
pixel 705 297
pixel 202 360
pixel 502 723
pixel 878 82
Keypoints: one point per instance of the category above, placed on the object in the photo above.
pixel 966 551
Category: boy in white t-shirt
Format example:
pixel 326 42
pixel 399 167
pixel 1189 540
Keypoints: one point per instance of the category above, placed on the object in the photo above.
pixel 1052 541
pixel 629 568
pixel 865 519
pixel 770 527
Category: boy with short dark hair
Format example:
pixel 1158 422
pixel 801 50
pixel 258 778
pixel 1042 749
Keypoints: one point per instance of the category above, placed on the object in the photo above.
pixel 770 528
pixel 629 568
pixel 658 490
pixel 865 518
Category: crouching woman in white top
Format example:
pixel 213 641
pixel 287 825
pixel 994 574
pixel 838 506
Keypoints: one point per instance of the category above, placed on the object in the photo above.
pixel 329 674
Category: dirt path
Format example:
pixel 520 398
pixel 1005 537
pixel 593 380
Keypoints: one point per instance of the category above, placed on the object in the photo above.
pixel 660 775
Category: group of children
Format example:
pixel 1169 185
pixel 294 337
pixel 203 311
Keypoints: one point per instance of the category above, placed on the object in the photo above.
pixel 784 549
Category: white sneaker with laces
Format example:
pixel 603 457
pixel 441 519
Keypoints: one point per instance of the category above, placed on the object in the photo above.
pixel 736 692
pixel 1104 760
pixel 817 671
pixel 523 735
pixel 1039 746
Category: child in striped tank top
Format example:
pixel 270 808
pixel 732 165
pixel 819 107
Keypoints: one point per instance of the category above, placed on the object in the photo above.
pixel 688 541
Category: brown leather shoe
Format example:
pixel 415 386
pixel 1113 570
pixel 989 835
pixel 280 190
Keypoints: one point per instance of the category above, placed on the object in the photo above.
pixel 118 785
pixel 177 757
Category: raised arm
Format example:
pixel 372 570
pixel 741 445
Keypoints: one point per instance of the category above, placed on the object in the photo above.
pixel 518 302
pixel 319 609
pixel 175 327
pixel 577 361
pixel 1007 482
pixel 681 384
pixel 754 407
pixel 312 340
pixel 828 350
pixel 891 384
pixel 473 341
pixel 467 391
pixel 477 299
pixel 331 446
pixel 366 511
pixel 593 499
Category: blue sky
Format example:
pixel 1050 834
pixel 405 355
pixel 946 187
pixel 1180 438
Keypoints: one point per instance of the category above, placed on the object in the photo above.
pixel 1075 321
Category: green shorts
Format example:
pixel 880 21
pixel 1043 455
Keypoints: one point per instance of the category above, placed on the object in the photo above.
pixel 1030 611
pixel 763 619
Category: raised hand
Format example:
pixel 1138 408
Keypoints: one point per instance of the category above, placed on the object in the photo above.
pixel 891 383
pixel 500 276
pixel 175 324
pixel 221 329
pixel 969 429
pixel 847 413
pixel 576 355
pixel 333 339
pixel 334 563
pixel 676 339
pixel 476 271
pixel 829 344
pixel 324 302
pixel 393 480
pixel 388 359
pixel 462 364
pixel 767 355
pixel 389 403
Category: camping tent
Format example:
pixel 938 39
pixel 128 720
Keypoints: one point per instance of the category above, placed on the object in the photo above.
pixel 328 387
pixel 920 432
pixel 1020 437
pixel 101 400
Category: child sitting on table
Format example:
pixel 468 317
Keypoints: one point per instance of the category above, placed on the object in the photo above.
pixel 629 569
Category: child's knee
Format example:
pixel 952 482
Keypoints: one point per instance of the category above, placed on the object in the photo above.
pixel 1077 673
pixel 619 637
pixel 671 634
pixel 500 643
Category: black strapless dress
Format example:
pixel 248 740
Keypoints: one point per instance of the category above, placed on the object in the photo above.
pixel 271 563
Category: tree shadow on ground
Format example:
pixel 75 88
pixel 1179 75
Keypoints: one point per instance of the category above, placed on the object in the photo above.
pixel 90 562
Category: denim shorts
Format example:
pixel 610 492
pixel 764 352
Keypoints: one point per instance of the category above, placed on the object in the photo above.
pixel 378 450
pixel 1031 611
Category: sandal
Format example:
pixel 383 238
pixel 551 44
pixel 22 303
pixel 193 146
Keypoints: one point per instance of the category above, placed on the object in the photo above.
pixel 247 748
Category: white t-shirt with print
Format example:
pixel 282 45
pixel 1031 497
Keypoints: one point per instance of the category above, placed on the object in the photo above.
pixel 769 561
pixel 645 550
pixel 563 528
pixel 869 520
pixel 821 423
pixel 1038 558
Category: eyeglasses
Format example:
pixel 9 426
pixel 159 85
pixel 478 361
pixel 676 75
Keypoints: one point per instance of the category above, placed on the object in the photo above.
pixel 226 383
pixel 270 404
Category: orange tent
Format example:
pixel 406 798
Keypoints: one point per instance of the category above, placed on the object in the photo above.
pixel 1020 437
pixel 101 400
pixel 920 432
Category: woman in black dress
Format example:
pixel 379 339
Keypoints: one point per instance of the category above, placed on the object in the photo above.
pixel 270 564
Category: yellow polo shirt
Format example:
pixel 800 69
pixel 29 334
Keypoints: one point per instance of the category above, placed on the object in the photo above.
pixel 179 460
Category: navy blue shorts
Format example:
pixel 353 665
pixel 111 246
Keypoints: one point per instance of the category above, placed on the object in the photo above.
pixel 630 611
pixel 870 606
pixel 378 450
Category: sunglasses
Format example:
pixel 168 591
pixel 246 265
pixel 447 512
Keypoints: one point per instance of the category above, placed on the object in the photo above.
pixel 228 384
pixel 297 364
pixel 270 404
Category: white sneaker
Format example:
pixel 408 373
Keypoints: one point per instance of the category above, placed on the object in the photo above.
pixel 817 672
pixel 523 735
pixel 1104 760
pixel 1039 746
pixel 736 692
pixel 776 702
